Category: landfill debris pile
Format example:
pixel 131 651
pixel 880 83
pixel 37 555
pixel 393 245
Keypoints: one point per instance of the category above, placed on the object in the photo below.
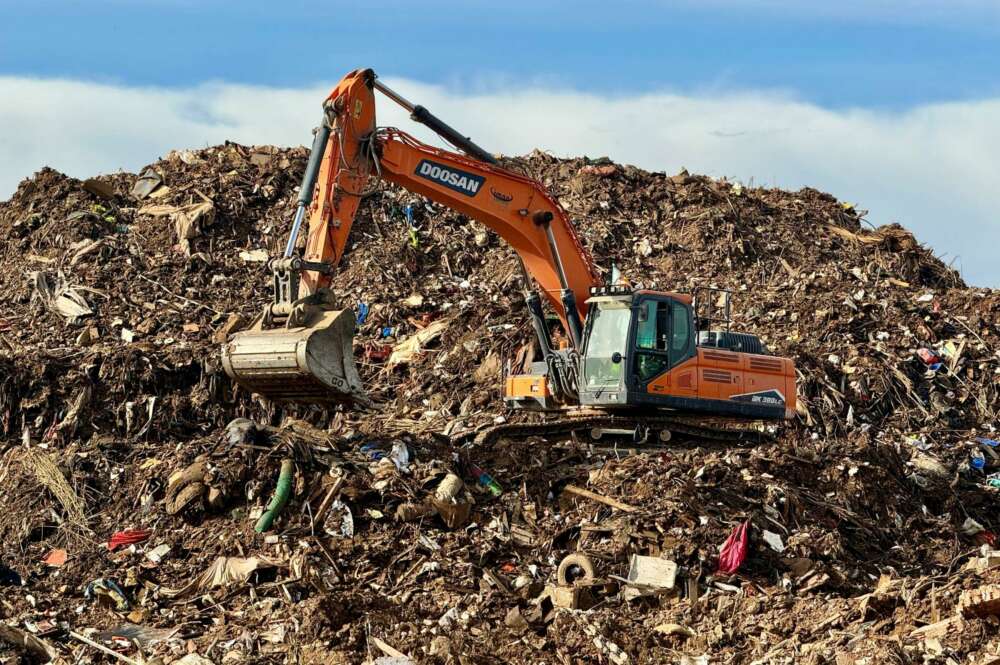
pixel 153 512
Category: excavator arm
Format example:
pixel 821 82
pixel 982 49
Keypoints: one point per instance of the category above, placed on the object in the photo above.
pixel 517 208
pixel 310 359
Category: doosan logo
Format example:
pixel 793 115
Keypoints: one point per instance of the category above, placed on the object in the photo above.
pixel 450 177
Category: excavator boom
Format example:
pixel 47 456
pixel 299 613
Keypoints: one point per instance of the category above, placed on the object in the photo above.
pixel 517 208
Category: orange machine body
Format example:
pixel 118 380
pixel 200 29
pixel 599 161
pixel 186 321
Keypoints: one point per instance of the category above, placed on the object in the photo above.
pixel 685 376
pixel 723 374
pixel 714 374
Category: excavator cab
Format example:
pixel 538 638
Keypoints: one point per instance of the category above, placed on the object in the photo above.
pixel 631 338
pixel 646 349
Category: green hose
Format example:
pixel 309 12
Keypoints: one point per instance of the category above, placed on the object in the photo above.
pixel 280 498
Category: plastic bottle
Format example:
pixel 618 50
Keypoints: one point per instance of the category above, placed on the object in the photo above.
pixel 977 461
pixel 486 480
pixel 373 451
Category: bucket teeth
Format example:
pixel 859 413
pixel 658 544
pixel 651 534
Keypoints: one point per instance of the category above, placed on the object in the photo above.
pixel 310 365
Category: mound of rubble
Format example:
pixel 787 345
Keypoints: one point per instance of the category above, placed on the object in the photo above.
pixel 152 510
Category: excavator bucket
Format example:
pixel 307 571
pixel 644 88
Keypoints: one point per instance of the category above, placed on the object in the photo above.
pixel 309 364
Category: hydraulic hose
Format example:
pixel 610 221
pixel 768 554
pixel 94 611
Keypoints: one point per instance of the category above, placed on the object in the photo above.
pixel 280 498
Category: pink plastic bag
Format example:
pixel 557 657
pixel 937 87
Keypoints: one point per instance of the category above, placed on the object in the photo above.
pixel 125 538
pixel 734 550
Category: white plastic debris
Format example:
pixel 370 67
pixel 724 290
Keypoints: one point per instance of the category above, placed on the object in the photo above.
pixel 400 455
pixel 971 527
pixel 773 541
pixel 339 521
pixel 157 554
pixel 254 256
pixel 649 574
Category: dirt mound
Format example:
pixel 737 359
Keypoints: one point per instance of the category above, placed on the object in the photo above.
pixel 862 513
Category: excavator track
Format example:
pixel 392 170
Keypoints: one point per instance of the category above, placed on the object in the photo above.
pixel 586 422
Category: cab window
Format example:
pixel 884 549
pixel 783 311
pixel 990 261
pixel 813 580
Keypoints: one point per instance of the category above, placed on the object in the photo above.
pixel 682 331
pixel 646 333
pixel 652 336
pixel 652 330
pixel 649 365
pixel 609 323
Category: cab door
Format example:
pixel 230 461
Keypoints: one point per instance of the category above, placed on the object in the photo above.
pixel 652 332
pixel 664 340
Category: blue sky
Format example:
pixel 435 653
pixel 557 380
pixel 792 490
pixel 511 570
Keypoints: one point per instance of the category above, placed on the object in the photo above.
pixel 886 54
pixel 889 104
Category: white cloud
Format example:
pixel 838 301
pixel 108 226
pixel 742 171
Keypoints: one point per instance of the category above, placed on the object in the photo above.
pixel 932 168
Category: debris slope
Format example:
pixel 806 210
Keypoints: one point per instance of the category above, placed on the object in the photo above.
pixel 868 520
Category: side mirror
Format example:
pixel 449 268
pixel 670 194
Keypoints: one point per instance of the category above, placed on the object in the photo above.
pixel 616 357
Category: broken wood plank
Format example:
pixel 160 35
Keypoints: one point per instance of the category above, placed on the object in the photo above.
pixel 331 494
pixel 600 498
pixel 388 650
pixel 980 602
pixel 939 629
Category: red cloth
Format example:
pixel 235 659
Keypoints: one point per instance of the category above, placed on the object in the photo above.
pixel 734 550
pixel 986 538
pixel 125 538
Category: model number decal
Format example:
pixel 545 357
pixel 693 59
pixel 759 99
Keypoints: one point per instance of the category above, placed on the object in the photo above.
pixel 769 397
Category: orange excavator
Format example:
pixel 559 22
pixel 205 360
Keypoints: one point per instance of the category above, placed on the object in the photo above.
pixel 633 355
